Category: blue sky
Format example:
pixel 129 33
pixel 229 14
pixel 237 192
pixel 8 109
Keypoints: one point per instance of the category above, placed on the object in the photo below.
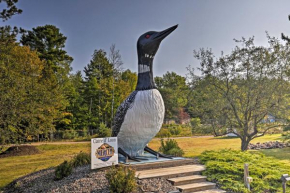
pixel 96 24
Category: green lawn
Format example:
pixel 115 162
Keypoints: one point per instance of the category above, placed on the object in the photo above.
pixel 281 154
pixel 195 146
pixel 52 154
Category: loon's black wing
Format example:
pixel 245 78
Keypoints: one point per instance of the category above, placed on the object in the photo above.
pixel 121 112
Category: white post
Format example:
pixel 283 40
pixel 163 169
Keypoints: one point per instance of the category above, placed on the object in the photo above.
pixel 246 176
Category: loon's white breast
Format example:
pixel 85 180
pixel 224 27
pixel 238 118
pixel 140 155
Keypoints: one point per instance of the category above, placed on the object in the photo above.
pixel 142 122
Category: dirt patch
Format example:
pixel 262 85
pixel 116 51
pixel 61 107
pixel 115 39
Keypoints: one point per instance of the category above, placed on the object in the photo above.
pixel 19 150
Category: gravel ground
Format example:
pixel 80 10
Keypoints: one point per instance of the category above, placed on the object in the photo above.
pixel 83 179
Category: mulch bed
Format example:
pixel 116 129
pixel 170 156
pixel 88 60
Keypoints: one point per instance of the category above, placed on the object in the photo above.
pixel 19 151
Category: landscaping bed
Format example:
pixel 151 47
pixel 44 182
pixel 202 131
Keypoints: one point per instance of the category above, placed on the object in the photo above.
pixel 226 168
pixel 82 179
pixel 54 154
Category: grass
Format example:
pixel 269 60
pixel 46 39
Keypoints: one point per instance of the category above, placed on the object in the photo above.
pixel 226 167
pixel 193 147
pixel 52 155
pixel 281 154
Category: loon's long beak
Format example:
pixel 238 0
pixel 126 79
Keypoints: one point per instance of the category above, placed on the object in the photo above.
pixel 163 34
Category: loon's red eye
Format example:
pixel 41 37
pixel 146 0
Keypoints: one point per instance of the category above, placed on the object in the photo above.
pixel 147 36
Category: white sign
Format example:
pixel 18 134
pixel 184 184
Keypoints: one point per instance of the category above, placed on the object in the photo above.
pixel 104 152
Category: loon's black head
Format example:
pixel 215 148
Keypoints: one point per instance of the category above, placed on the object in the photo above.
pixel 149 42
pixel 147 47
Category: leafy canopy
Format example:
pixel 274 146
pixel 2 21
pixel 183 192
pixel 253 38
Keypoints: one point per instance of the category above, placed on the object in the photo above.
pixel 246 86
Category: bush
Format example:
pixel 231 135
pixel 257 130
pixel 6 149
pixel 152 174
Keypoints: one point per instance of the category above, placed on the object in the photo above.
pixel 175 130
pixel 286 136
pixel 195 122
pixel 81 159
pixel 163 133
pixel 68 134
pixel 84 132
pixel 63 170
pixel 286 133
pixel 170 147
pixel 121 179
pixel 104 131
pixel 226 168
pixel 286 128
pixel 185 132
pixel 202 129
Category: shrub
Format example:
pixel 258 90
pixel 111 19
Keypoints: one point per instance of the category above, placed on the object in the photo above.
pixel 84 132
pixel 202 129
pixel 286 136
pixel 175 130
pixel 63 170
pixel 286 128
pixel 185 132
pixel 226 168
pixel 68 134
pixel 81 159
pixel 169 130
pixel 104 131
pixel 163 133
pixel 121 179
pixel 195 122
pixel 170 147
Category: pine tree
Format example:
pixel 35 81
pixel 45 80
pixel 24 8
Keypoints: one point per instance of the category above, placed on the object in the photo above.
pixel 10 10
pixel 98 87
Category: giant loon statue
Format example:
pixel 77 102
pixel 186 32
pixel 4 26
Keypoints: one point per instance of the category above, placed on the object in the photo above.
pixel 140 117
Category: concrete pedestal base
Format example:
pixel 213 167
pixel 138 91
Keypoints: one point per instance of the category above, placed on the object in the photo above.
pixel 152 162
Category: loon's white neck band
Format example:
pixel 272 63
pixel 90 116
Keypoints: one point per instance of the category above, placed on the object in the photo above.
pixel 143 68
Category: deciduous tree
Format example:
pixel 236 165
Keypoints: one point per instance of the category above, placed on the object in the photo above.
pixel 253 81
pixel 49 43
pixel 206 103
pixel 174 91
pixel 27 106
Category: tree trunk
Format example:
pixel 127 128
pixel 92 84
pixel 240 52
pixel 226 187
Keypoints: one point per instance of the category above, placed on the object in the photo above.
pixel 213 129
pixel 214 132
pixel 113 98
pixel 245 143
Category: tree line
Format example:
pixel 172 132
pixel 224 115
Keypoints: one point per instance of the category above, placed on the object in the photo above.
pixel 40 94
